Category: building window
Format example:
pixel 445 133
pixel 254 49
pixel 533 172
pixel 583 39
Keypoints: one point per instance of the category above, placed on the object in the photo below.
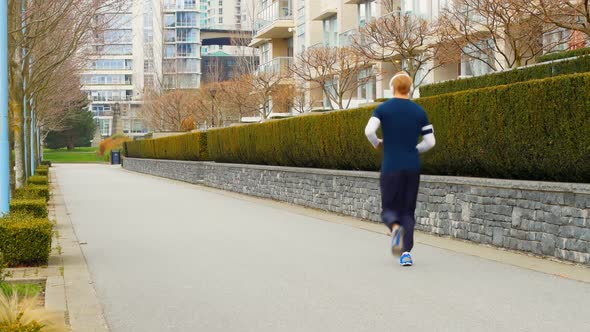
pixel 187 50
pixel 169 36
pixel 169 20
pixel 100 109
pixel 187 35
pixel 368 90
pixel 331 31
pixel 220 20
pixel 104 123
pixel 185 19
pixel 188 65
pixel 170 51
pixel 265 53
pixel 367 11
pixel 479 60
pixel 556 40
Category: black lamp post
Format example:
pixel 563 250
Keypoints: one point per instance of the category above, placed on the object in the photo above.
pixel 213 92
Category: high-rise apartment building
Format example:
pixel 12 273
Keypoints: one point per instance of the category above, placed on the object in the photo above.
pixel 182 44
pixel 230 15
pixel 112 78
pixel 147 45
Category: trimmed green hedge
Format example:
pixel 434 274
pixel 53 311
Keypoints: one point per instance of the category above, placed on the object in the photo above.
pixel 46 163
pixel 578 65
pixel 330 140
pixel 564 54
pixel 32 192
pixel 39 179
pixel 537 130
pixel 191 146
pixel 35 207
pixel 42 172
pixel 25 240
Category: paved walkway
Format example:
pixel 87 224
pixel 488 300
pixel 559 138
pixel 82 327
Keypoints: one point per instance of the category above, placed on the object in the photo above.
pixel 168 256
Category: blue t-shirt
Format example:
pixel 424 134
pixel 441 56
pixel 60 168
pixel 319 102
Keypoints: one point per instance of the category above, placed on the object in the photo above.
pixel 403 122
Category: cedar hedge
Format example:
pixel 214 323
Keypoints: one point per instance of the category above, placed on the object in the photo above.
pixel 39 179
pixel 32 192
pixel 578 65
pixel 36 207
pixel 564 54
pixel 330 140
pixel 191 146
pixel 531 130
pixel 25 240
pixel 535 130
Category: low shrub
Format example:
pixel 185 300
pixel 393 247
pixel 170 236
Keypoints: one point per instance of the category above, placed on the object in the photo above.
pixel 25 240
pixel 115 142
pixel 39 179
pixel 508 77
pixel 530 130
pixel 191 146
pixel 42 172
pixel 24 315
pixel 46 163
pixel 32 192
pixel 34 207
pixel 564 54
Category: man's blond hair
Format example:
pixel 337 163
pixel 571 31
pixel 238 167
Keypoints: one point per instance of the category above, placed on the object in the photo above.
pixel 401 83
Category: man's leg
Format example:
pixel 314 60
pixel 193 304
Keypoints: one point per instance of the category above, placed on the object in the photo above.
pixel 408 222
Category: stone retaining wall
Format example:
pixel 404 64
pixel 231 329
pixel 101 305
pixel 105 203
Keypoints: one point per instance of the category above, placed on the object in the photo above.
pixel 544 218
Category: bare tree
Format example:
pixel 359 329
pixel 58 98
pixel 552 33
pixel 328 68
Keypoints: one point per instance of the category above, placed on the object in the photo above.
pixel 169 111
pixel 501 34
pixel 303 100
pixel 41 39
pixel 336 70
pixel 241 100
pixel 567 14
pixel 408 42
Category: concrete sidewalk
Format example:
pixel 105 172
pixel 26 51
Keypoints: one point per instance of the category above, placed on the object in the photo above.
pixel 168 256
pixel 84 309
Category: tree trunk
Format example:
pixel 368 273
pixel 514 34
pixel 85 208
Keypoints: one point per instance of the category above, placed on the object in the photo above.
pixel 19 166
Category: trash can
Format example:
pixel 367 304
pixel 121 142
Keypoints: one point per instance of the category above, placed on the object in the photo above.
pixel 115 157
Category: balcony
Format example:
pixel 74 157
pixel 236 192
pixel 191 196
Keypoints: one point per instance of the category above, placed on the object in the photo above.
pixel 275 21
pixel 279 66
pixel 346 39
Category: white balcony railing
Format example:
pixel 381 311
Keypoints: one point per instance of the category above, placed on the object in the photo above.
pixel 276 11
pixel 347 38
pixel 278 66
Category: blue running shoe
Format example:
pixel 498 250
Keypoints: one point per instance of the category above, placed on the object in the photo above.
pixel 406 259
pixel 397 241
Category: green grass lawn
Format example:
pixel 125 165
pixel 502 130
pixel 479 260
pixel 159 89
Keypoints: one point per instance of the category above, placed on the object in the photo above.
pixel 78 155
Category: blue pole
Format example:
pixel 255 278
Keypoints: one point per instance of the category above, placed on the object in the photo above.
pixel 4 147
pixel 32 135
pixel 25 102
pixel 25 107
pixel 39 155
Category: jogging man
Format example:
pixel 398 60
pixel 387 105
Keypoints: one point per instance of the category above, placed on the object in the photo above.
pixel 403 122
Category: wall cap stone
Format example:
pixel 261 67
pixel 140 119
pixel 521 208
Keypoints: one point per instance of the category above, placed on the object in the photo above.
pixel 545 186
